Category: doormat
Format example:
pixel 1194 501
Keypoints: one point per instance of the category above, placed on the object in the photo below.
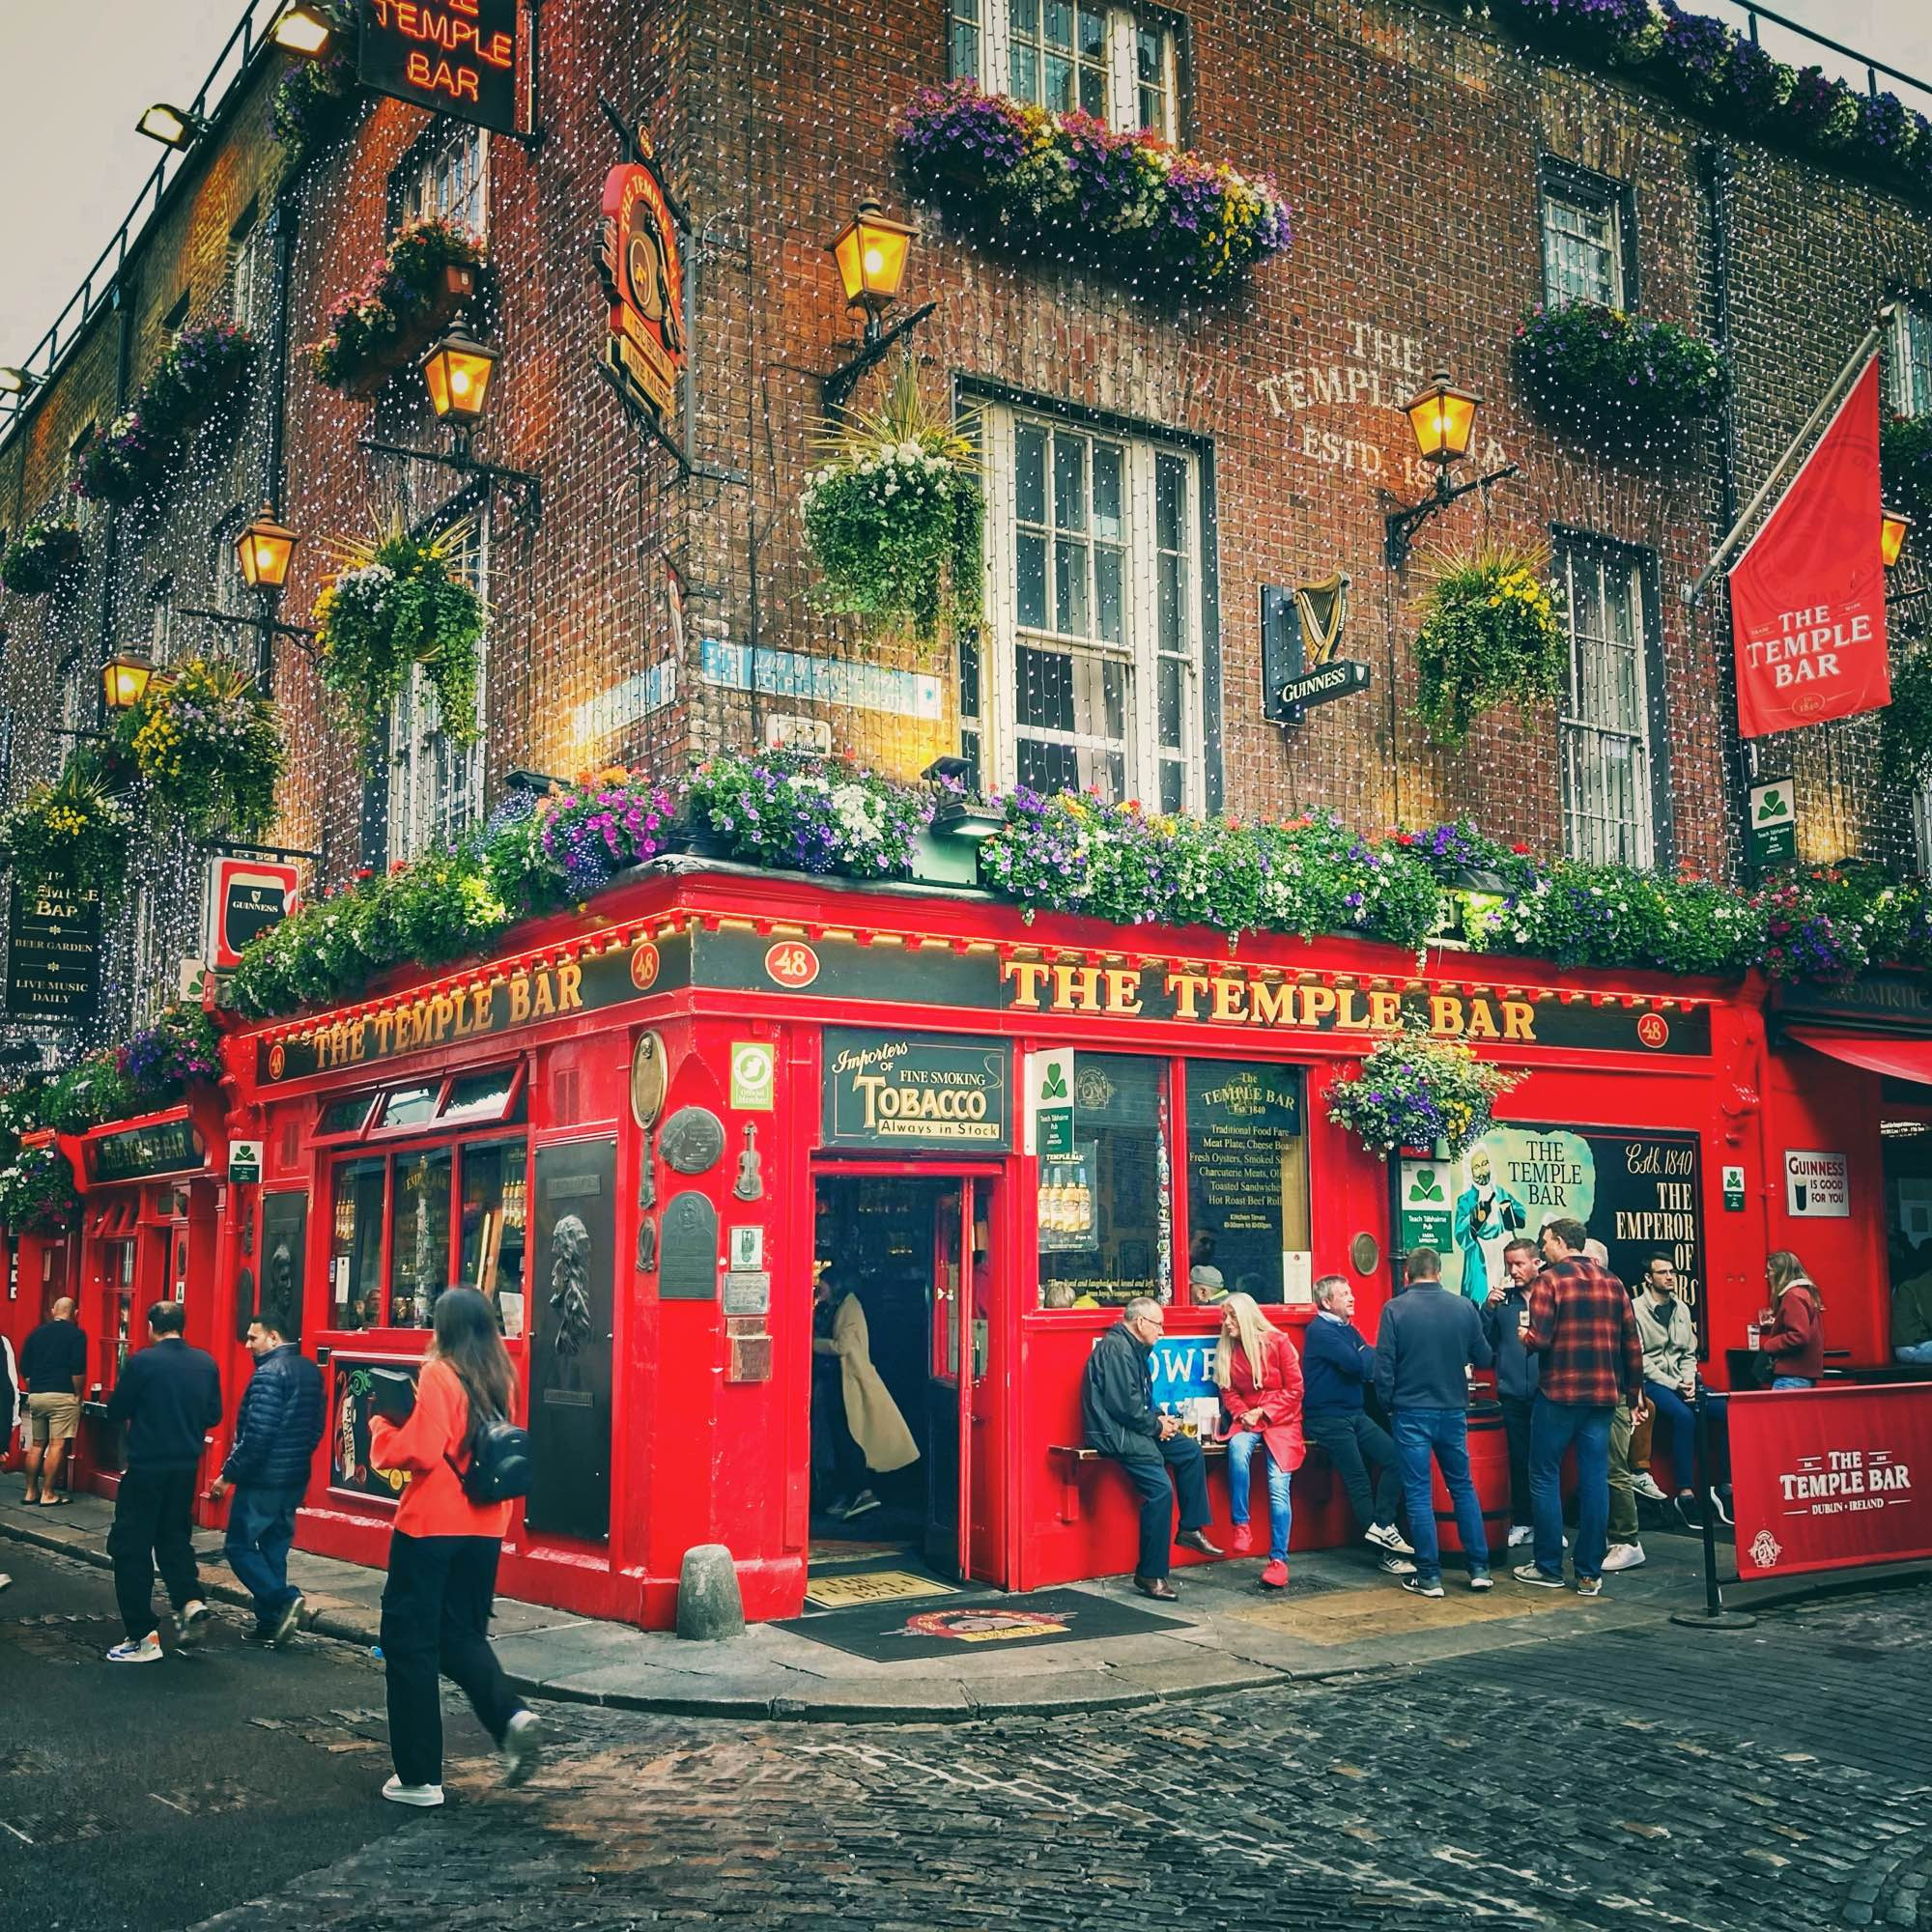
pixel 845 1588
pixel 886 1635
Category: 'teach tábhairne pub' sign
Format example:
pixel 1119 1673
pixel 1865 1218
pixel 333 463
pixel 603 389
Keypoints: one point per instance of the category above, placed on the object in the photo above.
pixel 456 57
pixel 902 1089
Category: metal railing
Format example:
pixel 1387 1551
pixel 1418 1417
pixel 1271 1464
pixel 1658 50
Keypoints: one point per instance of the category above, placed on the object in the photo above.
pixel 244 45
pixel 1753 13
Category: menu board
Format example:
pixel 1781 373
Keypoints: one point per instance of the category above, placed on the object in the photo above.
pixel 348 1464
pixel 1247 1213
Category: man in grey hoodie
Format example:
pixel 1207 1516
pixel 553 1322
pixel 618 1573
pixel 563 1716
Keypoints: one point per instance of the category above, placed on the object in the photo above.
pixel 1427 1341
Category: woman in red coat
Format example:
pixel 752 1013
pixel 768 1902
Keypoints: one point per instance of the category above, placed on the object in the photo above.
pixel 1260 1378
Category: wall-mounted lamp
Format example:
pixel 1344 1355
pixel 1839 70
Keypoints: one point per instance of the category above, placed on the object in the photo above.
pixel 15 382
pixel 872 251
pixel 1443 420
pixel 1893 531
pixel 303 28
pixel 125 679
pixel 172 127
pixel 459 374
pixel 264 551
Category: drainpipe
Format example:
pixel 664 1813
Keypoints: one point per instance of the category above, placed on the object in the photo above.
pixel 122 301
pixel 282 228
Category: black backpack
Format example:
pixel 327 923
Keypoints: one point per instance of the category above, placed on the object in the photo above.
pixel 500 1461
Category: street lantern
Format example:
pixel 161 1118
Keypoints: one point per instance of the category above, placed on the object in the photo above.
pixel 303 28
pixel 264 551
pixel 1444 418
pixel 125 679
pixel 1893 531
pixel 872 251
pixel 15 382
pixel 457 371
pixel 172 127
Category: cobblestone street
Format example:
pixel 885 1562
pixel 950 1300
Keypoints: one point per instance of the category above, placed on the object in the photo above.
pixel 1662 1777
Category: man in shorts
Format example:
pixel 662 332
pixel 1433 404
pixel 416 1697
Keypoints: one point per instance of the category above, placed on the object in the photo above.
pixel 53 1366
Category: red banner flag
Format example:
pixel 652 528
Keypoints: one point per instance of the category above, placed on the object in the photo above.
pixel 1828 1478
pixel 1807 596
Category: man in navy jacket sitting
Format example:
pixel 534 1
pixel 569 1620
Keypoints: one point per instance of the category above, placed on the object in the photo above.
pixel 276 1433
pixel 1337 1368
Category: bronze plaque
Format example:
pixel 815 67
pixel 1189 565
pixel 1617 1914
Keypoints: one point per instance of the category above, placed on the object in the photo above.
pixel 688 1253
pixel 693 1140
pixel 1365 1254
pixel 649 1074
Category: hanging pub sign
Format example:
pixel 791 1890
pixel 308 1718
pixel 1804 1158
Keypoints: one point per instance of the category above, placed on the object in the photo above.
pixel 456 57
pixel 242 898
pixel 53 955
pixel 1300 634
pixel 643 277
pixel 904 1089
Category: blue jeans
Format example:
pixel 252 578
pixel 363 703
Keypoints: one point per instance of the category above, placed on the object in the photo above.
pixel 1792 1382
pixel 1913 1352
pixel 1553 1426
pixel 1446 1433
pixel 1281 1509
pixel 260 1527
pixel 1671 1407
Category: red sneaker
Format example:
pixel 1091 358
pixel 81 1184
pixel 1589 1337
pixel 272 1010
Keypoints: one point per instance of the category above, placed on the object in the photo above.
pixel 1275 1575
pixel 1242 1542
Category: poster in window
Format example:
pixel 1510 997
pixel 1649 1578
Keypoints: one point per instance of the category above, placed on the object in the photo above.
pixel 284 1231
pixel 1247 1197
pixel 572 1279
pixel 348 1464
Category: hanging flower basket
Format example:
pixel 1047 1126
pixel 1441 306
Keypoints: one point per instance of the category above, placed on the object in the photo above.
pixel 1622 381
pixel 314 99
pixel 203 742
pixel 1067 186
pixel 37 1192
pixel 71 832
pixel 142 452
pixel 1492 633
pixel 396 604
pixel 41 558
pixel 428 276
pixel 1412 1091
pixel 895 521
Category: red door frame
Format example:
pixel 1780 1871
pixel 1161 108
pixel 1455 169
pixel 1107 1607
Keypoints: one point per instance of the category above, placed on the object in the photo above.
pixel 973 1175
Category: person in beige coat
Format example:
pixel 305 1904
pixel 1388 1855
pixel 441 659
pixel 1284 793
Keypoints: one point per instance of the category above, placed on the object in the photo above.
pixel 843 1375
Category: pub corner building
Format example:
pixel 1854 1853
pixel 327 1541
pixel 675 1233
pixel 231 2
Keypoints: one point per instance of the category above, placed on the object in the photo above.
pixel 638 1127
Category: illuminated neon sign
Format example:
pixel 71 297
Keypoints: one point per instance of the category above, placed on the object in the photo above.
pixel 451 56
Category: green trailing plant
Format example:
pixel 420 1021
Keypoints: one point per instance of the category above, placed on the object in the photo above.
pixel 396 603
pixel 1414 1090
pixel 314 99
pixel 203 742
pixel 1622 378
pixel 41 558
pixel 37 1192
pixel 1905 725
pixel 1905 469
pixel 1492 633
pixel 895 518
pixel 70 833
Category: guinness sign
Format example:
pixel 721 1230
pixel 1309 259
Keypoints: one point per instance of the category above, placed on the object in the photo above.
pixel 1300 636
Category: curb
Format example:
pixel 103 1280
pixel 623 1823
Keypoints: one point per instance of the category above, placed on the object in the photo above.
pixel 836 1707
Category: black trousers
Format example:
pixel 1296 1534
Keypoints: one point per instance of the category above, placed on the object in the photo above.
pixel 154 1527
pixel 1180 1458
pixel 1352 1443
pixel 436 1620
pixel 1515 1426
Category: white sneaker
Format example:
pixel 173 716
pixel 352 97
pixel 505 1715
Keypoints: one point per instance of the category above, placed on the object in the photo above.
pixel 425 1797
pixel 147 1651
pixel 1521 1533
pixel 1393 1565
pixel 1624 1556
pixel 1645 1484
pixel 1386 1536
pixel 4 1580
pixel 1722 1508
pixel 188 1626
pixel 522 1745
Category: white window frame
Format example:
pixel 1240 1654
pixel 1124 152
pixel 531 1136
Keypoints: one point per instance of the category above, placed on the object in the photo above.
pixel 244 272
pixel 436 791
pixel 1593 830
pixel 1921 829
pixel 1139 651
pixel 993 66
pixel 1585 206
pixel 1908 359
pixel 426 180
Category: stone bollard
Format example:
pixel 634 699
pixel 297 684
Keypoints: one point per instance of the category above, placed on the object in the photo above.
pixel 708 1604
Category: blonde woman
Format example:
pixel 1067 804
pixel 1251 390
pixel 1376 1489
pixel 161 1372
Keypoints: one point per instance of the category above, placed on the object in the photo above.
pixel 1259 1376
pixel 1793 1335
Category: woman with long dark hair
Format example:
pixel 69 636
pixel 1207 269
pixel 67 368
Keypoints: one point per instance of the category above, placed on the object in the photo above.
pixel 443 1555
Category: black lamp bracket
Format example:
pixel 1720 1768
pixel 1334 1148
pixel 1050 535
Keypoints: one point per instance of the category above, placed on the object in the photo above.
pixel 522 483
pixel 264 624
pixel 1401 525
pixel 837 388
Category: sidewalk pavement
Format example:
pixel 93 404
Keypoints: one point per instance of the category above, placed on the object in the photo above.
pixel 1340 1616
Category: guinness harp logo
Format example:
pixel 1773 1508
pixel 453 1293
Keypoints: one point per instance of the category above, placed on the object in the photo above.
pixel 1324 610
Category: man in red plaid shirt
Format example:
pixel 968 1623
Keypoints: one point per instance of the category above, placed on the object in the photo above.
pixel 1589 1357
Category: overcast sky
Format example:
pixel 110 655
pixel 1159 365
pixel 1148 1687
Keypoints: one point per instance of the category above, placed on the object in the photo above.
pixel 72 162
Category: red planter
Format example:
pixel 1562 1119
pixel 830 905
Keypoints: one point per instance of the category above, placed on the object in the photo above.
pixel 459 286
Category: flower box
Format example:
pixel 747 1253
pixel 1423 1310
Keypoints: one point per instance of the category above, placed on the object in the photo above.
pixel 428 275
pixel 415 333
pixel 39 558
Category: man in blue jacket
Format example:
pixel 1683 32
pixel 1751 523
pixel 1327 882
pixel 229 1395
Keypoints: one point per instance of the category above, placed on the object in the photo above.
pixel 1337 1367
pixel 169 1396
pixel 276 1429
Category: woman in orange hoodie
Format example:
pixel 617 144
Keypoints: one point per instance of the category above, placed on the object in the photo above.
pixel 443 1553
